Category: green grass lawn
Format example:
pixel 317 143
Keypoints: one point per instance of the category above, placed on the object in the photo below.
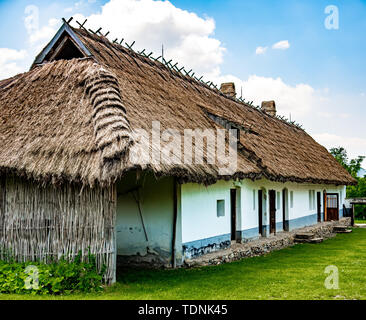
pixel 360 221
pixel 292 273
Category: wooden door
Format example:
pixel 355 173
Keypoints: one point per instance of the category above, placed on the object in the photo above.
pixel 319 206
pixel 325 218
pixel 332 207
pixel 272 211
pixel 284 208
pixel 260 212
pixel 233 213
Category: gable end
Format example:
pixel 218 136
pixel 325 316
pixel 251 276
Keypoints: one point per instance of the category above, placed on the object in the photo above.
pixel 64 45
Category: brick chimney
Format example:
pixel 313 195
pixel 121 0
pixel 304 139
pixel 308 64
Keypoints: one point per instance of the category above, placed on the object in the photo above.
pixel 269 107
pixel 228 88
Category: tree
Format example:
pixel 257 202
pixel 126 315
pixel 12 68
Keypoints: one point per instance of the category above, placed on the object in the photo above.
pixel 353 166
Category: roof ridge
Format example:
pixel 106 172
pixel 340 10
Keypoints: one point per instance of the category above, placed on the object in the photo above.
pixel 97 35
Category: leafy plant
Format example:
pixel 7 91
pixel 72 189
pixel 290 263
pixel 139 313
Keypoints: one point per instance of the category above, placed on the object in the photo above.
pixel 64 276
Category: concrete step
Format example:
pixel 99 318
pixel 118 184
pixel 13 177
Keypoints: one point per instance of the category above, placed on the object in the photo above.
pixel 312 240
pixel 304 235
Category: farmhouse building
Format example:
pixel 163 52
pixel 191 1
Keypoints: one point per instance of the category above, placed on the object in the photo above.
pixel 67 128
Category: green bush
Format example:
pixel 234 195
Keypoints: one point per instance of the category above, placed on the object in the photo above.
pixel 360 212
pixel 61 277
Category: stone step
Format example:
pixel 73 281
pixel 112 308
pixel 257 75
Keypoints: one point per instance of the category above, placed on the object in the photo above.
pixel 312 240
pixel 304 235
pixel 316 240
pixel 341 229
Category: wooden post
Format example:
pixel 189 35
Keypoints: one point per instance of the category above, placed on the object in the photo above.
pixel 175 214
pixel 114 197
pixel 353 215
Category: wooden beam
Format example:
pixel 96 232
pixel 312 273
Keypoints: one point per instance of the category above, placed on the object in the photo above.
pixel 175 217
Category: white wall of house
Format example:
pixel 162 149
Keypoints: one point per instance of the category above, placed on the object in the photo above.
pixel 156 202
pixel 198 224
pixel 199 208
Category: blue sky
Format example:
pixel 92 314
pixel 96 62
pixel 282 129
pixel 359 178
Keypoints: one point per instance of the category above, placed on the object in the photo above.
pixel 320 78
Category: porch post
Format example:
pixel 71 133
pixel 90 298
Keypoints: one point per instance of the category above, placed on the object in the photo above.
pixel 114 199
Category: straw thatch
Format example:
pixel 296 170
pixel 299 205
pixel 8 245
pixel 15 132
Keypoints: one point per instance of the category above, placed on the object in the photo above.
pixel 56 123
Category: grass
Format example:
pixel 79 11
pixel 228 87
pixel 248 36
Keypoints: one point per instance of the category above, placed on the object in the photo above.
pixel 358 221
pixel 293 273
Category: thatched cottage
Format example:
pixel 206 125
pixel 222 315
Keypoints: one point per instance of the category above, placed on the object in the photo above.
pixel 67 182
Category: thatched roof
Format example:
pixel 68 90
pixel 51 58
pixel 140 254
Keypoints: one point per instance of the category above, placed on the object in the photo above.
pixel 74 120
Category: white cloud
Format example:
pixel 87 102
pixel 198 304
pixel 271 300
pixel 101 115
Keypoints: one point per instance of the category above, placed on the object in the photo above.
pixel 31 20
pixel 298 100
pixel 8 62
pixel 354 145
pixel 187 38
pixel 261 50
pixel 333 115
pixel 281 45
pixel 41 36
pixel 16 61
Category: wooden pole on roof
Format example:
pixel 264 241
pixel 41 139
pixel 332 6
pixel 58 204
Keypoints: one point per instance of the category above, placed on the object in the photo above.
pixel 81 25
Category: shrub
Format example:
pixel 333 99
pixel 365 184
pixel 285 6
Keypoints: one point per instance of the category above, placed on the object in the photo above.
pixel 360 212
pixel 61 277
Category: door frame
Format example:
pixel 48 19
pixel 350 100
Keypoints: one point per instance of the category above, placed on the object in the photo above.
pixel 325 205
pixel 260 211
pixel 333 194
pixel 319 205
pixel 285 210
pixel 272 211
pixel 233 204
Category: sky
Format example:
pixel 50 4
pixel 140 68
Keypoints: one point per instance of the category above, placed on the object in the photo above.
pixel 308 56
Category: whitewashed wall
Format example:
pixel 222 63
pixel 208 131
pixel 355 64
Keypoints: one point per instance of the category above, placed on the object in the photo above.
pixel 199 215
pixel 198 206
pixel 199 229
pixel 157 211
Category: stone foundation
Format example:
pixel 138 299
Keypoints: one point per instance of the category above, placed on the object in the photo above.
pixel 263 246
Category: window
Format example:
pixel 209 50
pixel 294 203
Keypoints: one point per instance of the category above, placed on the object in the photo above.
pixel 278 201
pixel 220 208
pixel 311 199
pixel 291 199
pixel 254 199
